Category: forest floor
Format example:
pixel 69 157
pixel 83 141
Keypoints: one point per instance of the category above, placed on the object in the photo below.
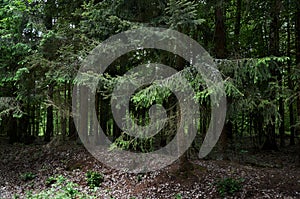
pixel 262 174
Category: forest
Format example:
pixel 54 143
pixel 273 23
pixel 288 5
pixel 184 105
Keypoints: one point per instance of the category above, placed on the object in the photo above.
pixel 255 47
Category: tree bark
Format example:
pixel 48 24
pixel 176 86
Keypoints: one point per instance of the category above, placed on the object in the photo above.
pixel 237 27
pixel 270 143
pixel 104 114
pixel 11 128
pixel 63 114
pixel 290 82
pixel 49 125
pixel 221 53
pixel 83 117
pixel 72 129
pixel 220 32
pixel 49 11
pixel 297 36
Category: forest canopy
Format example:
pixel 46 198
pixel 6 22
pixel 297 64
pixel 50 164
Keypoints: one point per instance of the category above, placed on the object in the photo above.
pixel 255 44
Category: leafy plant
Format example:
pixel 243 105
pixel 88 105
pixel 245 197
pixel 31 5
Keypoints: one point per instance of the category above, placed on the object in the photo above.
pixel 51 180
pixel 228 186
pixel 94 179
pixel 27 176
pixel 61 188
pixel 55 180
pixel 71 190
pixel 139 178
pixel 178 196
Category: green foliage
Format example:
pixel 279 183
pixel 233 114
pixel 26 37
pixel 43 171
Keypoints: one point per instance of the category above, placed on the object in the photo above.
pixel 145 98
pixel 139 178
pixel 178 196
pixel 99 21
pixel 121 142
pixel 182 14
pixel 228 186
pixel 27 176
pixel 60 189
pixel 94 179
pixel 43 43
pixel 20 72
pixel 126 142
pixel 51 180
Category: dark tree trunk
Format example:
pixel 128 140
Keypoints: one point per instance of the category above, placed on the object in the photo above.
pixel 258 126
pixel 220 32
pixel 297 31
pixel 104 114
pixel 281 80
pixel 290 83
pixel 297 27
pixel 72 128
pixel 237 27
pixel 83 117
pixel 281 127
pixel 270 143
pixel 98 137
pixel 116 130
pixel 12 129
pixel 37 120
pixel 49 125
pixel 49 121
pixel 63 115
pixel 49 11
pixel 221 53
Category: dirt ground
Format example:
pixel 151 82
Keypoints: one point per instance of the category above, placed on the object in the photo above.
pixel 265 174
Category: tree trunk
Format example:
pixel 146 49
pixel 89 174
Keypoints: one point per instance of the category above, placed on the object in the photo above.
pixel 49 121
pixel 280 78
pixel 49 124
pixel 297 36
pixel 11 128
pixel 63 114
pixel 281 127
pixel 237 27
pixel 83 117
pixel 221 53
pixel 98 136
pixel 220 32
pixel 270 143
pixel 37 120
pixel 104 114
pixel 49 11
pixel 72 128
pixel 290 83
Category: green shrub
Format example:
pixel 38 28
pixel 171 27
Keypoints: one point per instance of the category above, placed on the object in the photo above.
pixel 51 180
pixel 27 176
pixel 94 179
pixel 228 186
pixel 139 178
pixel 57 179
pixel 61 189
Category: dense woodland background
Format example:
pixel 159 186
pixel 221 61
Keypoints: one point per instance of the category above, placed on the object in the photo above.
pixel 256 45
